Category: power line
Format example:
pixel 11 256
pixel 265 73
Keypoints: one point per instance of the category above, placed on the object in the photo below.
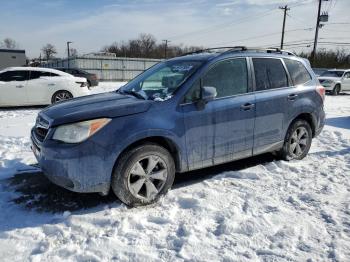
pixel 261 36
pixel 223 25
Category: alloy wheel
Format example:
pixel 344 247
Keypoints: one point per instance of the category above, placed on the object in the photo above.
pixel 147 177
pixel 298 142
pixel 59 97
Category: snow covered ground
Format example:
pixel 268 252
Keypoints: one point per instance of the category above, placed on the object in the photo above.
pixel 255 209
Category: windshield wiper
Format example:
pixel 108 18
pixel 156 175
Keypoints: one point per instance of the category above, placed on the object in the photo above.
pixel 133 93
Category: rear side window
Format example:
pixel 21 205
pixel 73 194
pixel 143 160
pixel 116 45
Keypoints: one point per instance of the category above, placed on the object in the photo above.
pixel 14 76
pixel 229 77
pixel 38 74
pixel 297 72
pixel 269 74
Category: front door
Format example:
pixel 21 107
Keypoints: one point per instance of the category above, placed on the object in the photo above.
pixel 224 128
pixel 13 88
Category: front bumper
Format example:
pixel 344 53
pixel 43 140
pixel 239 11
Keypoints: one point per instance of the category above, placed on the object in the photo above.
pixel 76 167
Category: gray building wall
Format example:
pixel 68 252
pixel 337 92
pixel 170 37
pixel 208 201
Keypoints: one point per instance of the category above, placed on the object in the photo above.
pixel 107 68
pixel 9 57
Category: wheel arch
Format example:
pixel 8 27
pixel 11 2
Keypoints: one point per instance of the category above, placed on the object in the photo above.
pixel 308 117
pixel 162 141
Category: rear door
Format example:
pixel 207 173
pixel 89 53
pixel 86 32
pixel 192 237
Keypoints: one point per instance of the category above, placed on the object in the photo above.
pixel 346 82
pixel 13 86
pixel 274 95
pixel 41 86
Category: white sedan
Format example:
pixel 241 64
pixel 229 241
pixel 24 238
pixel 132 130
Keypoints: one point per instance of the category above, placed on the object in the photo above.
pixel 335 81
pixel 20 86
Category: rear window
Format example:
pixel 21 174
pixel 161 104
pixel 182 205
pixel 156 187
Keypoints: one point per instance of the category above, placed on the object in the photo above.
pixel 269 74
pixel 297 72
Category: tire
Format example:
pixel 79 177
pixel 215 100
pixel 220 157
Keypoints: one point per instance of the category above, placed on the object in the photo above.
pixel 143 174
pixel 336 90
pixel 299 131
pixel 60 96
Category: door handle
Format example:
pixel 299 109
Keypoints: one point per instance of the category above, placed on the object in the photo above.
pixel 247 106
pixel 292 97
pixel 20 86
pixel 51 84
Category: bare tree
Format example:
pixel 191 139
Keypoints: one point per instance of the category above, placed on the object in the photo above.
pixel 9 43
pixel 49 51
pixel 146 46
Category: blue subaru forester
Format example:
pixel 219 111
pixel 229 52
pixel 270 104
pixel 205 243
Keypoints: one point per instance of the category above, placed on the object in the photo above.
pixel 194 111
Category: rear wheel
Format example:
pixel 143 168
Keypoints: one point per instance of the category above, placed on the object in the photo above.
pixel 336 90
pixel 60 96
pixel 298 141
pixel 143 174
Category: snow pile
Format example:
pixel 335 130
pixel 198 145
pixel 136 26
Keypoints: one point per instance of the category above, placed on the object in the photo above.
pixel 271 210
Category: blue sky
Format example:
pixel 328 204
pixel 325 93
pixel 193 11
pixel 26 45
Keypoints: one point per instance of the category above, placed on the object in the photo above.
pixel 92 24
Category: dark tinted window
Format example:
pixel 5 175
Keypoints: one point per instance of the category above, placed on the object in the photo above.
pixel 194 93
pixel 14 76
pixel 269 73
pixel 297 72
pixel 333 73
pixel 229 77
pixel 38 74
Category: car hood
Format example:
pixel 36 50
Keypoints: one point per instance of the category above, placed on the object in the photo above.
pixel 109 105
pixel 329 78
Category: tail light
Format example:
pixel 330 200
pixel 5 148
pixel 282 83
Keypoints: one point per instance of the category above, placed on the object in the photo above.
pixel 321 91
pixel 82 84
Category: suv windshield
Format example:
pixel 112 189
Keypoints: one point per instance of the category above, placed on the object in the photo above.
pixel 160 82
pixel 333 73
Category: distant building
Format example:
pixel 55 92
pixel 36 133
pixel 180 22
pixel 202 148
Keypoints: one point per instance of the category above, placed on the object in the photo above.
pixel 12 57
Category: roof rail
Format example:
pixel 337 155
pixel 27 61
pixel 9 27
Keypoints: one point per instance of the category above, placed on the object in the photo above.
pixel 240 49
pixel 209 50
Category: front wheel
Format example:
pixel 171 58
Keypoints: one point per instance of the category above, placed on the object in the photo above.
pixel 298 141
pixel 143 175
pixel 60 96
pixel 336 90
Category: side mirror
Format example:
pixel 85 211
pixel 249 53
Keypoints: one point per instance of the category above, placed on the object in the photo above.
pixel 208 93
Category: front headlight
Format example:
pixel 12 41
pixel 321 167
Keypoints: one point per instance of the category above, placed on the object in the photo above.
pixel 78 132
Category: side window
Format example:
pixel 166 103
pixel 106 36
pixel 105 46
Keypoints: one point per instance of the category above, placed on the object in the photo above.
pixel 297 71
pixel 269 74
pixel 14 76
pixel 38 74
pixel 229 77
pixel 194 94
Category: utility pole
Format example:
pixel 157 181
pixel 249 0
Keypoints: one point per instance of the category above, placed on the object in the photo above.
pixel 285 8
pixel 166 47
pixel 313 54
pixel 68 53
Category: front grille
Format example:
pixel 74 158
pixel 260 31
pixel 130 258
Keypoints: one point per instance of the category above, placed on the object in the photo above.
pixel 41 128
pixel 40 133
